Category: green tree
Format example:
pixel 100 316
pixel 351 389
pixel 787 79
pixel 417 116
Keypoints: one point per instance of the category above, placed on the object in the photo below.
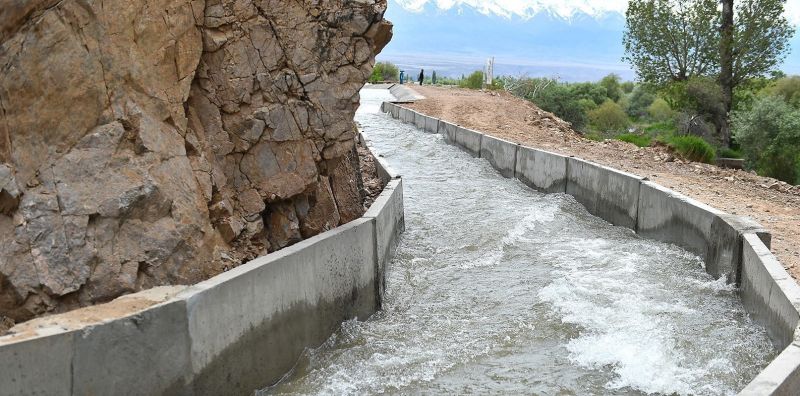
pixel 640 100
pixel 611 83
pixel 674 40
pixel 474 81
pixel 384 71
pixel 562 101
pixel 609 117
pixel 591 91
pixel 769 134
pixel 660 111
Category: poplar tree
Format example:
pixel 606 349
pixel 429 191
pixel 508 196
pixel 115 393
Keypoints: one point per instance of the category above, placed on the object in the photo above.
pixel 674 40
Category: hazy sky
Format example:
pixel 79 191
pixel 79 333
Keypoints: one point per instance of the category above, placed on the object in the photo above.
pixel 563 8
pixel 522 36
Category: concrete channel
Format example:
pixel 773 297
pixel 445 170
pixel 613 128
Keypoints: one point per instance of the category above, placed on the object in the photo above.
pixel 732 246
pixel 239 331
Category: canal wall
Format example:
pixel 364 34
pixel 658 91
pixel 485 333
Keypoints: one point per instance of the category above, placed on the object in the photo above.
pixel 731 246
pixel 230 335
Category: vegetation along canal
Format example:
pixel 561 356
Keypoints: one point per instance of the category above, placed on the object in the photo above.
pixel 497 288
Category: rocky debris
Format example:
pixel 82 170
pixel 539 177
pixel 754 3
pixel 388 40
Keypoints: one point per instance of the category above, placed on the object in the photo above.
pixel 155 142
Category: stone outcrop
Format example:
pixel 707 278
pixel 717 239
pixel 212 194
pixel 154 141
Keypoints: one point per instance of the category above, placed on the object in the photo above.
pixel 153 142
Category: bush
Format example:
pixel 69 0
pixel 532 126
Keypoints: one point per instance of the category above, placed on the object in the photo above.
pixel 640 100
pixel 474 81
pixel 660 111
pixel 661 128
pixel 729 153
pixel 587 90
pixel 384 71
pixel 628 87
pixel 788 88
pixel 561 101
pixel 587 104
pixel 693 148
pixel 612 86
pixel 609 117
pixel 769 135
pixel 639 140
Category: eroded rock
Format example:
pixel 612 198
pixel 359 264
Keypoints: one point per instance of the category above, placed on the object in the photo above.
pixel 143 141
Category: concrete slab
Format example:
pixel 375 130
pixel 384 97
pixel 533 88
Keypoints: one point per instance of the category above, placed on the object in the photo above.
pixel 542 170
pixel 420 120
pixel 394 110
pixel 469 140
pixel 37 366
pixel 385 172
pixel 448 130
pixel 404 115
pixel 780 378
pixel 404 93
pixel 500 153
pixel 768 293
pixel 725 245
pixel 668 216
pixel 431 125
pixel 147 353
pixel 252 323
pixel 607 193
pixel 389 217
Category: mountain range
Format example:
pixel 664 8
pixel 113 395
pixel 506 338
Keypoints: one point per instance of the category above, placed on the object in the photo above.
pixel 573 41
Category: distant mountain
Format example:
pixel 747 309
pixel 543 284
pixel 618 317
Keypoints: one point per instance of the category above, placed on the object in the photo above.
pixel 576 43
pixel 458 40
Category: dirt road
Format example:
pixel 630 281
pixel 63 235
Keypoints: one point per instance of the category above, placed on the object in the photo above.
pixel 775 205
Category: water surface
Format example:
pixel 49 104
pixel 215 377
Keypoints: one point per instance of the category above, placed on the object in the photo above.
pixel 498 289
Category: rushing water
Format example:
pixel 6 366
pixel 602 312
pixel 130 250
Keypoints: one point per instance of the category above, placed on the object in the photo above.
pixel 498 289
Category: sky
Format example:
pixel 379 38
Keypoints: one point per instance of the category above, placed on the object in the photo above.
pixel 573 40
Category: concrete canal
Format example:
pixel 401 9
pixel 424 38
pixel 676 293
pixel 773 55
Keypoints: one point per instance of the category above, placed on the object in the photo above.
pixel 498 289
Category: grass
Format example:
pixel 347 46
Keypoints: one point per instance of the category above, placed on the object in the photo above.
pixel 693 148
pixel 639 140
pixel 729 153
pixel 661 128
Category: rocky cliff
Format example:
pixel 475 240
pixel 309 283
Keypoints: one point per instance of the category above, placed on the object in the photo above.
pixel 152 142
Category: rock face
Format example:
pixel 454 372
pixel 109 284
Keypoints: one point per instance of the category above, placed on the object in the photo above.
pixel 153 142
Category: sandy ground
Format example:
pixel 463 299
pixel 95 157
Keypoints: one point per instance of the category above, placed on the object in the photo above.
pixel 773 204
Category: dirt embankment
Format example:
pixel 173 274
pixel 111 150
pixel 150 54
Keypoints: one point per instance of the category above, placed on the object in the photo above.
pixel 775 205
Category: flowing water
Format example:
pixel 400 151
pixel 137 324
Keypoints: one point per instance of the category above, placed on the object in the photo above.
pixel 498 289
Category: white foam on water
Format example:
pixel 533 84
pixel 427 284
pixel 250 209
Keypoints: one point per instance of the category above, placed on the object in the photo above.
pixel 496 289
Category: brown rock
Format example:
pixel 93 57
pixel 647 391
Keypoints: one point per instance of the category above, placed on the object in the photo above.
pixel 139 138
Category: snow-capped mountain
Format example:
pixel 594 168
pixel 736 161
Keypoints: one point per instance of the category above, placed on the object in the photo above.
pixel 524 9
pixel 576 40
pixel 457 39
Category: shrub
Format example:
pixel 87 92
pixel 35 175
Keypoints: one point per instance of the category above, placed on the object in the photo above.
pixel 661 128
pixel 640 100
pixel 628 87
pixel 787 87
pixel 609 116
pixel 639 140
pixel 729 153
pixel 587 104
pixel 384 71
pixel 474 81
pixel 693 148
pixel 561 101
pixel 660 111
pixel 587 90
pixel 612 86
pixel 769 135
